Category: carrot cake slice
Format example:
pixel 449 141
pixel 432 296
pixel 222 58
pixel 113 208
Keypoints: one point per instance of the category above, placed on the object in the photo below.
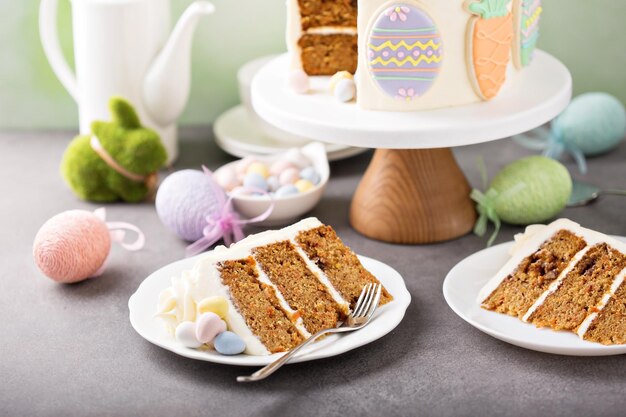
pixel 281 286
pixel 322 35
pixel 564 277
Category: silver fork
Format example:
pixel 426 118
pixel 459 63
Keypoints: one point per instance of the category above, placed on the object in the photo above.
pixel 360 316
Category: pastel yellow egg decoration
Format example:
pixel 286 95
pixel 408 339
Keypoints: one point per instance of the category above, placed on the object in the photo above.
pixel 215 304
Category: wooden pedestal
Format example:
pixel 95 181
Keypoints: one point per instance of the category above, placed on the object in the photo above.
pixel 413 196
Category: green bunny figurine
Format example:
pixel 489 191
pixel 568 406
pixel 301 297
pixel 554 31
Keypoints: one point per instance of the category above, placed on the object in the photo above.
pixel 118 160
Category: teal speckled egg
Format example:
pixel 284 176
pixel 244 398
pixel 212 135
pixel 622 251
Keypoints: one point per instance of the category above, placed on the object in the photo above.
pixel 594 123
pixel 531 190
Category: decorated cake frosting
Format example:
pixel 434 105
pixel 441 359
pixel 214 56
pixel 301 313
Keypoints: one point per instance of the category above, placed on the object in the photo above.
pixel 414 54
pixel 271 291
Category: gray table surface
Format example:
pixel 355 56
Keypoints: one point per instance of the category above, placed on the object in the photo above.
pixel 69 350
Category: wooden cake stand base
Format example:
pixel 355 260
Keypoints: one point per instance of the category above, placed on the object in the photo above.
pixel 413 196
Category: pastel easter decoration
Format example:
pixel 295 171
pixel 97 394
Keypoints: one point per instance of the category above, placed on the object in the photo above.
pixel 342 86
pixel 215 304
pixel 186 335
pixel 255 181
pixel 527 14
pixel 287 190
pixel 279 166
pixel 297 158
pixel 298 81
pixel 593 123
pixel 304 185
pixel 184 200
pixel 258 168
pixel 289 176
pixel 118 160
pixel 490 32
pixel 273 183
pixel 209 325
pixel 530 190
pixel 242 165
pixel 226 177
pixel 74 245
pixel 405 51
pixel 341 75
pixel 192 205
pixel 210 218
pixel 309 173
pixel 345 91
pixel 229 343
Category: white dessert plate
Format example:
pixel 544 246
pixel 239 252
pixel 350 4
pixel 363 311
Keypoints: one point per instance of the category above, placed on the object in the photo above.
pixel 142 305
pixel 236 133
pixel 461 288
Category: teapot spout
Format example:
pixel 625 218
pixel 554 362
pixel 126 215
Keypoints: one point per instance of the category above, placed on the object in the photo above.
pixel 166 84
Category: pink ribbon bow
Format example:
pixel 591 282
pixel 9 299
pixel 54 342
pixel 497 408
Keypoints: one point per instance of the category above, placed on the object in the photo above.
pixel 117 231
pixel 225 223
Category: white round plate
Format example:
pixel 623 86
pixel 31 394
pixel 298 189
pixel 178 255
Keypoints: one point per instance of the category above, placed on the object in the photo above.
pixel 142 305
pixel 237 135
pixel 535 96
pixel 461 288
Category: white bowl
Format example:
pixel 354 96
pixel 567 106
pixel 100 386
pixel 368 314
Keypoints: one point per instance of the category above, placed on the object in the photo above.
pixel 286 209
pixel 245 74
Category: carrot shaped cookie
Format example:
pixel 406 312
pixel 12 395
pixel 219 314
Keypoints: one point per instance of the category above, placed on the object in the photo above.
pixel 490 32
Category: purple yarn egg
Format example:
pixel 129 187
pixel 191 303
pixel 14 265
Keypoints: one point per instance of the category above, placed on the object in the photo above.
pixel 184 200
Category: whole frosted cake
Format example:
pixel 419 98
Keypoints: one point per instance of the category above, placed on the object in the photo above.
pixel 565 277
pixel 280 286
pixel 415 54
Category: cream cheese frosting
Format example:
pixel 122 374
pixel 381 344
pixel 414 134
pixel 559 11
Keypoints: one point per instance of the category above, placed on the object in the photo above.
pixel 178 302
pixel 532 239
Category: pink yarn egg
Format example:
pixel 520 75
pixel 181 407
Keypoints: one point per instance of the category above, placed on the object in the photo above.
pixel 72 246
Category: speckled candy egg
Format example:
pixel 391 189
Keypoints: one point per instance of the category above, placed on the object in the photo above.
pixel 208 326
pixel 72 246
pixel 531 190
pixel 404 51
pixel 229 343
pixel 186 335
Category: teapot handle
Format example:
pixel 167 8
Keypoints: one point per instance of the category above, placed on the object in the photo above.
pixel 50 42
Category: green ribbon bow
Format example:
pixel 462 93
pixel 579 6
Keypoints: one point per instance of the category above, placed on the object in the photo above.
pixel 485 205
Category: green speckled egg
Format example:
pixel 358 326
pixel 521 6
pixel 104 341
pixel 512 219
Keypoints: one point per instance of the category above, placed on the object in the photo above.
pixel 531 190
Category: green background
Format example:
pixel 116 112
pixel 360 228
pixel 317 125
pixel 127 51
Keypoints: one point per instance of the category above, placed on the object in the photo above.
pixel 589 36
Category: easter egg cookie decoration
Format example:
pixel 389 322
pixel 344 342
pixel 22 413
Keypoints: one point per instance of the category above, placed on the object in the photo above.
pixel 527 14
pixel 489 36
pixel 405 52
pixel 530 190
pixel 118 160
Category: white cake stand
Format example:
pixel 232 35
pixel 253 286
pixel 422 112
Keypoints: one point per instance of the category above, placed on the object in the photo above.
pixel 413 191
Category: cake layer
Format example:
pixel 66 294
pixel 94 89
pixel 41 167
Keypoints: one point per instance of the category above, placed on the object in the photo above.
pixel 326 54
pixel 299 286
pixel 338 262
pixel 566 306
pixel 519 290
pixel 259 305
pixel 277 296
pixel 318 13
pixel 608 326
pixel 588 295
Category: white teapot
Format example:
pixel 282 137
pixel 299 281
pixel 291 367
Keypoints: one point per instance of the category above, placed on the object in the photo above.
pixel 121 47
